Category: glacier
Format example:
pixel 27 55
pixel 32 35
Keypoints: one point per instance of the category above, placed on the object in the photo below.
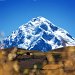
pixel 39 34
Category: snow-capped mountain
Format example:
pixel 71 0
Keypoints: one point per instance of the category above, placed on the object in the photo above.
pixel 39 34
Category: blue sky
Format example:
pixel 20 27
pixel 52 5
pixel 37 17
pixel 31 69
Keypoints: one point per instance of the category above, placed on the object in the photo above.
pixel 14 13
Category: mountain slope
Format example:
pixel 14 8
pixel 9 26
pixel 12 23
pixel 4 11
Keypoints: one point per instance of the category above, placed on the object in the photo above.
pixel 39 34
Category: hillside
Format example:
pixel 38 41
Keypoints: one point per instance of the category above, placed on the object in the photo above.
pixel 17 61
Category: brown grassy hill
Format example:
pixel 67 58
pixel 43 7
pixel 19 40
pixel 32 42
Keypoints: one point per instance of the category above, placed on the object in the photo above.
pixel 16 61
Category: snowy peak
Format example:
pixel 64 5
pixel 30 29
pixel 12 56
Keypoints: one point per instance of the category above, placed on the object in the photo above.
pixel 39 34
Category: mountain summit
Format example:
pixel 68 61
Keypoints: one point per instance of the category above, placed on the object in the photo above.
pixel 39 34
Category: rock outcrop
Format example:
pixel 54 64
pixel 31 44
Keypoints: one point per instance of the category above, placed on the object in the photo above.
pixel 17 61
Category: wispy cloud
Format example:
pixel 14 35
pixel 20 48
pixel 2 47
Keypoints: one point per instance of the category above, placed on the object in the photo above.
pixel 2 0
pixel 34 0
pixel 1 35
